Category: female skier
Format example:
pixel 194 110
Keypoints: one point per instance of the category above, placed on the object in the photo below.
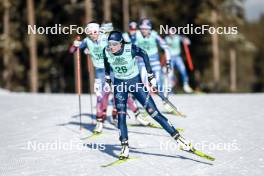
pixel 95 43
pixel 120 57
pixel 174 43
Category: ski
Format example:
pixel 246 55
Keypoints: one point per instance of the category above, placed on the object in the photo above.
pixel 180 129
pixel 92 136
pixel 152 125
pixel 119 161
pixel 177 113
pixel 200 154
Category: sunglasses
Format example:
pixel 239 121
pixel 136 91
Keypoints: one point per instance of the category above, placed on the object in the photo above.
pixel 113 43
pixel 144 29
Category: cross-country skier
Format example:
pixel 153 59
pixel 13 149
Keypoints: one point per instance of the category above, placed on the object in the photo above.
pixel 106 28
pixel 149 40
pixel 130 36
pixel 120 57
pixel 95 43
pixel 174 43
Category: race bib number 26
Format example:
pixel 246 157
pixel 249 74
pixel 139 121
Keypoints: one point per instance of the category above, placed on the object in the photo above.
pixel 121 69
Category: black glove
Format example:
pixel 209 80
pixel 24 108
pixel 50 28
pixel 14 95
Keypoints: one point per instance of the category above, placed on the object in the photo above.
pixel 108 82
pixel 152 80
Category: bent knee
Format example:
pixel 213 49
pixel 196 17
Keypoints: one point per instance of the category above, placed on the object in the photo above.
pixel 152 112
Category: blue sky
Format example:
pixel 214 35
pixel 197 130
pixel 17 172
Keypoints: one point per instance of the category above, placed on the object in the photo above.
pixel 254 8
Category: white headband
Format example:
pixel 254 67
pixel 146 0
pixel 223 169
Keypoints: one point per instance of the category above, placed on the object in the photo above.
pixel 92 27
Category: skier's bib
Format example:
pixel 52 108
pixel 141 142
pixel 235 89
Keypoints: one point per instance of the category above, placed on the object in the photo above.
pixel 149 44
pixel 96 51
pixel 124 66
pixel 174 44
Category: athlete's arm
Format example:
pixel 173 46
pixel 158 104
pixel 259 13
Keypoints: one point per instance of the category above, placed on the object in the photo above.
pixel 164 46
pixel 106 64
pixel 136 51
pixel 82 45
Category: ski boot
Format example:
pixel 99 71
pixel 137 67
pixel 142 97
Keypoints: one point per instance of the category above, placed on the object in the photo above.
pixel 98 128
pixel 188 147
pixel 183 143
pixel 187 88
pixel 141 119
pixel 124 151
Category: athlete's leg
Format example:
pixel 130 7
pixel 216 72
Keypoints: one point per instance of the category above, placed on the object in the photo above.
pixel 182 69
pixel 185 79
pixel 99 83
pixel 146 100
pixel 121 106
pixel 172 77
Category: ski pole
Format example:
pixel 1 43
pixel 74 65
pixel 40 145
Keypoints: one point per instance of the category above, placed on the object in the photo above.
pixel 79 81
pixel 166 100
pixel 166 81
pixel 188 56
pixel 89 68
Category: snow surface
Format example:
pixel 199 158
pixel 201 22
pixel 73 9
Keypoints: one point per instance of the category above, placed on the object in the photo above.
pixel 40 136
